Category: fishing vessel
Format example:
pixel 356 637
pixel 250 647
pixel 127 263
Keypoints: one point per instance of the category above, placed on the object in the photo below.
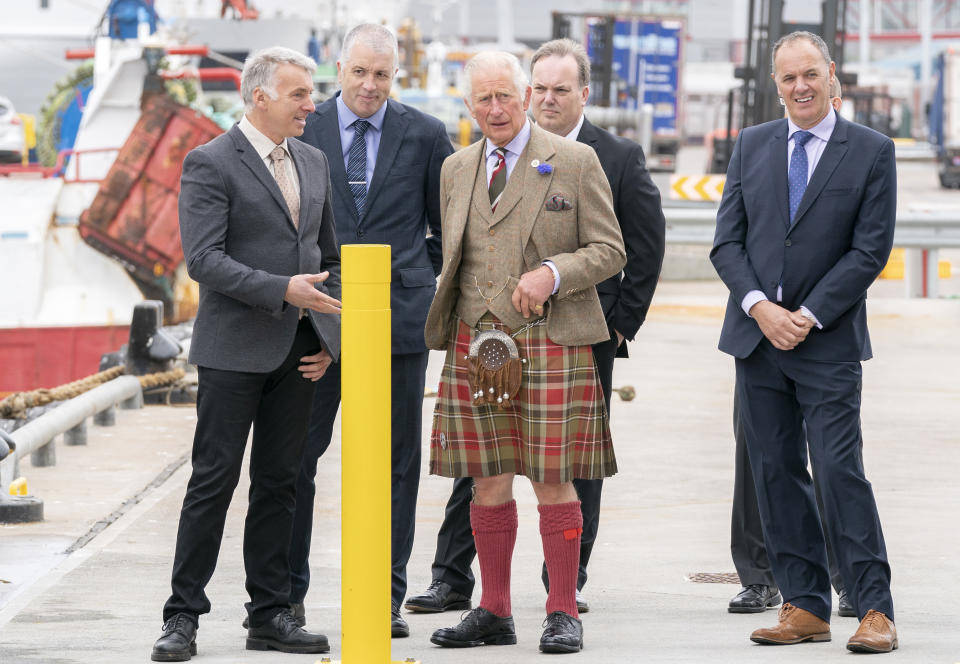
pixel 86 239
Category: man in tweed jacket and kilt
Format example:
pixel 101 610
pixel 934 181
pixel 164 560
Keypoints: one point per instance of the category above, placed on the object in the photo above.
pixel 528 231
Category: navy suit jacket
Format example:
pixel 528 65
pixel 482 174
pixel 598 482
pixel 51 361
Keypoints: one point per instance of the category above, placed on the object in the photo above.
pixel 626 297
pixel 402 207
pixel 836 247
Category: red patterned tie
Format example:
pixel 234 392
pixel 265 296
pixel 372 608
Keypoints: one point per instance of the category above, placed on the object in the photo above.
pixel 498 180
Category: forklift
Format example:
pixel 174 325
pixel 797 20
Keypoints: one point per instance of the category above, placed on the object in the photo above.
pixel 757 100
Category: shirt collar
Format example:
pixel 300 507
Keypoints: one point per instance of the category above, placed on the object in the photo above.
pixel 576 130
pixel 516 145
pixel 260 142
pixel 821 130
pixel 346 117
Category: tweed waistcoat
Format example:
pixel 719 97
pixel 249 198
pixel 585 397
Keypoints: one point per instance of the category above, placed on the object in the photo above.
pixel 492 259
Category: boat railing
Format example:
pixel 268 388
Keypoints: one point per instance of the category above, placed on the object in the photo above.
pixel 60 167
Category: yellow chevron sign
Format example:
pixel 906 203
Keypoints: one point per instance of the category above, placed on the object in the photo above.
pixel 697 187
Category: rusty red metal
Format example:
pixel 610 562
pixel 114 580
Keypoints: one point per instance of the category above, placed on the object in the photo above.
pixel 133 217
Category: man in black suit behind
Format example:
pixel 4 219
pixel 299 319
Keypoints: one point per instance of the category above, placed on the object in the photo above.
pixel 561 79
pixel 256 221
pixel 385 160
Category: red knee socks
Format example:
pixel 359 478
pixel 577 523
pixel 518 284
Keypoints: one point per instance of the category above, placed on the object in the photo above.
pixel 560 528
pixel 495 533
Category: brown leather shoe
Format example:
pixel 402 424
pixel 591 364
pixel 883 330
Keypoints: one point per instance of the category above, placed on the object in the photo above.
pixel 876 633
pixel 796 625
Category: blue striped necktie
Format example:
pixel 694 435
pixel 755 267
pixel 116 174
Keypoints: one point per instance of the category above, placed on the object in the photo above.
pixel 357 165
pixel 797 173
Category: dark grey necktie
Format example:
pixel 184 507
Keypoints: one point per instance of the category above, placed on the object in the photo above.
pixel 357 165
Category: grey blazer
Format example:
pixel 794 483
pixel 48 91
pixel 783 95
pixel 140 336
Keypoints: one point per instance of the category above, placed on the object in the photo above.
pixel 241 247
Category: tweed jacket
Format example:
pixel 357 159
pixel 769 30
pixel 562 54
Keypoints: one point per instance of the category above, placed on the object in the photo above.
pixel 583 242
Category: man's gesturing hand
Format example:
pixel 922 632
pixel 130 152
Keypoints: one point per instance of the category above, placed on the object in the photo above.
pixel 301 293
pixel 314 366
pixel 532 291
pixel 785 329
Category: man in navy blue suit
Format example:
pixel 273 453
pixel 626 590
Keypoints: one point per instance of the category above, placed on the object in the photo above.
pixel 805 226
pixel 385 161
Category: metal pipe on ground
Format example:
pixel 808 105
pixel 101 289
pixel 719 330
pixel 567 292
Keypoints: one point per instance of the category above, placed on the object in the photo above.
pixel 36 434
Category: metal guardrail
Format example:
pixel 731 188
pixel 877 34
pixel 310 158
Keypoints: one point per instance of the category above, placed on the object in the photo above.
pixel 914 230
pixel 37 436
pixel 922 234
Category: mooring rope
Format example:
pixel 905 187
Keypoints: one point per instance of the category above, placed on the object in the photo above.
pixel 16 405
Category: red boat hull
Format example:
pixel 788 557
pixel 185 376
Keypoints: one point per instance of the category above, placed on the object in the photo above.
pixel 35 357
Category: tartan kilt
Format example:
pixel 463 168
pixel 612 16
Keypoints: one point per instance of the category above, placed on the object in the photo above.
pixel 555 430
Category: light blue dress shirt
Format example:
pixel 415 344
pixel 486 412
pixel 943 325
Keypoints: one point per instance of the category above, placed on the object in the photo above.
pixel 346 118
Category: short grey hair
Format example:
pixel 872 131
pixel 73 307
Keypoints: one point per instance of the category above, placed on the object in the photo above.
pixel 378 37
pixel 562 48
pixel 493 60
pixel 799 35
pixel 260 69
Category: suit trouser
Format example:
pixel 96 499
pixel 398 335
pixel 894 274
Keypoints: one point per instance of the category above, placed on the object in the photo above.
pixel 277 404
pixel 779 392
pixel 408 377
pixel 455 547
pixel 746 530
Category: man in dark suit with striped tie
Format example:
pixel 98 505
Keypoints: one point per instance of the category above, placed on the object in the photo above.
pixel 385 160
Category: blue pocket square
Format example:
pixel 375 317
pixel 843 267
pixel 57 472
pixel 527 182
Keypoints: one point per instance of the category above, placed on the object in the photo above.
pixel 556 203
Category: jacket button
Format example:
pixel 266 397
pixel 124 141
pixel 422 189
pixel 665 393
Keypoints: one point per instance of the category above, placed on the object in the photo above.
pixel 787 243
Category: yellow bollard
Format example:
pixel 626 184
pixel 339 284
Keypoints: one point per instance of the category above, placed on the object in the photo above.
pixel 365 453
pixel 18 487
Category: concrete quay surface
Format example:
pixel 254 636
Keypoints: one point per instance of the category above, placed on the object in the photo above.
pixel 114 504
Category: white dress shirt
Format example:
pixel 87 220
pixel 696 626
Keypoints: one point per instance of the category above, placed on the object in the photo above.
pixel 264 146
pixel 512 151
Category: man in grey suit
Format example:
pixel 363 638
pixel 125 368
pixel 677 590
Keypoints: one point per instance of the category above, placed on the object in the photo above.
pixel 256 222
pixel 385 160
